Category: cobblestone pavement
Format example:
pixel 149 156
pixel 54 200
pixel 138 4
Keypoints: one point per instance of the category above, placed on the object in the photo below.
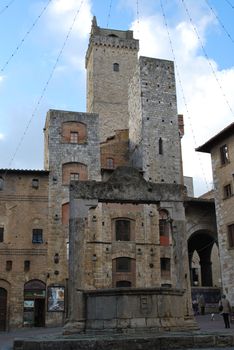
pixel 205 323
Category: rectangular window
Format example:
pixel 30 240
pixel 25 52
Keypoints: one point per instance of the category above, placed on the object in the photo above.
pixel 123 265
pixel 224 157
pixel 35 183
pixel 74 137
pixel 227 191
pixel 26 265
pixel 8 265
pixel 122 229
pixel 231 235
pixel 1 234
pixel 110 163
pixel 74 176
pixel 37 235
pixel 165 267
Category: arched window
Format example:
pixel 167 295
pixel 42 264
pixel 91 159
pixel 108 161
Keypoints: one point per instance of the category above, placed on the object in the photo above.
pixel 123 284
pixel 123 272
pixel 164 227
pixel 122 230
pixel 74 132
pixel 110 163
pixel 123 264
pixel 74 171
pixel 115 67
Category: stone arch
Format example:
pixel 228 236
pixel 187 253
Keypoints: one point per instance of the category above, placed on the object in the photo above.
pixel 123 269
pixel 4 304
pixel 74 132
pixel 74 171
pixel 201 242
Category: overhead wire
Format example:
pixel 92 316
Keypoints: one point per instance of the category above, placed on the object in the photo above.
pixel 109 13
pixel 45 86
pixel 182 91
pixel 3 67
pixel 230 4
pixel 6 7
pixel 207 58
pixel 219 20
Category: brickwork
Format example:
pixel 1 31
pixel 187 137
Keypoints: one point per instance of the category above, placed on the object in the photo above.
pixel 156 122
pixel 22 209
pixel 74 127
pixel 107 88
pixel 115 148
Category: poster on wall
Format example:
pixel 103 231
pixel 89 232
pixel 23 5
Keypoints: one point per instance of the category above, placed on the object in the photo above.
pixel 55 298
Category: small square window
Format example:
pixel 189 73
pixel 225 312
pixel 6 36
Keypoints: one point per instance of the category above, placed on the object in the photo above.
pixel 8 265
pixel 116 67
pixel 224 156
pixel 1 183
pixel 227 191
pixel 35 183
pixel 37 235
pixel 123 265
pixel 110 163
pixel 165 267
pixel 26 265
pixel 74 176
pixel 231 235
pixel 74 137
pixel 1 234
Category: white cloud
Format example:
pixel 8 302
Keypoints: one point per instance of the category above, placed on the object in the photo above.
pixel 2 136
pixel 63 12
pixel 208 91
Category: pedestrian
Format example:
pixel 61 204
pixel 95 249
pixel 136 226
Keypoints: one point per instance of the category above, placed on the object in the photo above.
pixel 225 308
pixel 195 307
pixel 202 304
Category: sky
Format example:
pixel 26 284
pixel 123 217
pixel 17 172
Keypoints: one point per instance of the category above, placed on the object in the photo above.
pixel 42 51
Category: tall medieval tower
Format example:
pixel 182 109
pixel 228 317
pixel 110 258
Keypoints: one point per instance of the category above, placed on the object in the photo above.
pixel 111 60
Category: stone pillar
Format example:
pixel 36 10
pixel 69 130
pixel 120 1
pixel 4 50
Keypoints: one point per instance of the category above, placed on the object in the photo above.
pixel 76 309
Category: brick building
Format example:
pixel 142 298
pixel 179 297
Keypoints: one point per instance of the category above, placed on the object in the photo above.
pixel 134 230
pixel 221 148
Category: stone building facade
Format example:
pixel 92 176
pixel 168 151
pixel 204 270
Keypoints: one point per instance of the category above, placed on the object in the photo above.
pixel 133 224
pixel 221 148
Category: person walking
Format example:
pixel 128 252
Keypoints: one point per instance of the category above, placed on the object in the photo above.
pixel 225 308
pixel 202 304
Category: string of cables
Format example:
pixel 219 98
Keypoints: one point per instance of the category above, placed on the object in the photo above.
pixel 109 14
pixel 228 2
pixel 45 85
pixel 207 58
pixel 182 93
pixel 6 7
pixel 220 22
pixel 3 67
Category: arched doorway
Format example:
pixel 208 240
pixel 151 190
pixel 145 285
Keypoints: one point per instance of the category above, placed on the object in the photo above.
pixel 3 309
pixel 34 303
pixel 200 244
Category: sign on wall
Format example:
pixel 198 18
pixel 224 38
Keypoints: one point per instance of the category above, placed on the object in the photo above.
pixel 55 296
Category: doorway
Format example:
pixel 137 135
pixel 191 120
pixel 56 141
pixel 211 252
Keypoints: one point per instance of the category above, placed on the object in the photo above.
pixel 3 309
pixel 34 304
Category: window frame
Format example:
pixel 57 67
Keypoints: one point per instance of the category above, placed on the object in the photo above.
pixel 123 236
pixel 37 236
pixel 74 137
pixel 227 191
pixel 115 67
pixel 224 154
pixel 123 259
pixel 230 235
pixel 74 176
pixel 1 234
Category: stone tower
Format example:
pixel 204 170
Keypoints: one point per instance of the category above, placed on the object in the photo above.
pixel 153 125
pixel 111 60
